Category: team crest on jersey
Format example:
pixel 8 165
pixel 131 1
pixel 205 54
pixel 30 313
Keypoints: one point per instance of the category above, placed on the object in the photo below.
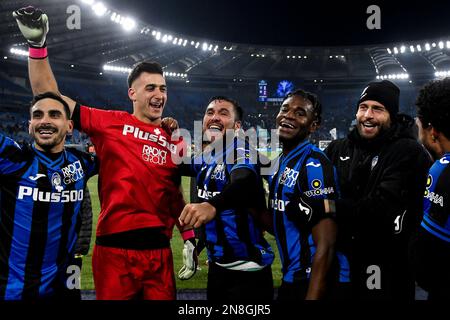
pixel 289 177
pixel 56 182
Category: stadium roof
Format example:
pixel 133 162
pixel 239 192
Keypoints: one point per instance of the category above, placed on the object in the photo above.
pixel 203 49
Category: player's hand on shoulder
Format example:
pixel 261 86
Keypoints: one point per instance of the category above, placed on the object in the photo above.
pixel 169 125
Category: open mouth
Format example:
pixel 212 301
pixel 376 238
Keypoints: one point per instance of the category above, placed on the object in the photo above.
pixel 156 105
pixel 286 125
pixel 46 132
pixel 368 125
pixel 215 127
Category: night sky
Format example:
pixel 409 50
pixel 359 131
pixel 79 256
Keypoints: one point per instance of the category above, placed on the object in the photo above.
pixel 293 23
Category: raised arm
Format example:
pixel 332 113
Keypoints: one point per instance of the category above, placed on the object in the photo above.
pixel 33 24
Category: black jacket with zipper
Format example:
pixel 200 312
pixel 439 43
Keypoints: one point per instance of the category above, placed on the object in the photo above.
pixel 382 181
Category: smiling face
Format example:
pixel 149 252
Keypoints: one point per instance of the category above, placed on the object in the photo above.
pixel 49 125
pixel 295 121
pixel 371 119
pixel 149 95
pixel 219 116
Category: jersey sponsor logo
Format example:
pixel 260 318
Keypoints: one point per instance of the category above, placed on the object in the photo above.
pixel 435 198
pixel 154 155
pixel 155 137
pixel 279 205
pixel 206 195
pixel 56 182
pixel 36 177
pixel 432 196
pixel 42 196
pixel 218 173
pixel 73 172
pixel 344 158
pixel 289 177
pixel 312 164
pixel 316 183
pixel 429 181
pixel 317 189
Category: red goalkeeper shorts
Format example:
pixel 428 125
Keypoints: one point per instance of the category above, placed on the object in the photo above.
pixel 124 274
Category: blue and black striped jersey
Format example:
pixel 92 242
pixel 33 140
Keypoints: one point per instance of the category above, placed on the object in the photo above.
pixel 233 234
pixel 304 172
pixel 436 219
pixel 40 201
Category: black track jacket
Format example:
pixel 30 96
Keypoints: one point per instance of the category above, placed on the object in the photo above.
pixel 382 183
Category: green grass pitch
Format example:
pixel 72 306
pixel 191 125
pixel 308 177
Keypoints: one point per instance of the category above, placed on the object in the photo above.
pixel 196 282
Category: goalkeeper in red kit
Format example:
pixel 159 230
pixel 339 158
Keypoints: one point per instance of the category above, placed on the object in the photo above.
pixel 139 185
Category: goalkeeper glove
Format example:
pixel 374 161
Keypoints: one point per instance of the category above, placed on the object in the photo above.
pixel 33 24
pixel 190 260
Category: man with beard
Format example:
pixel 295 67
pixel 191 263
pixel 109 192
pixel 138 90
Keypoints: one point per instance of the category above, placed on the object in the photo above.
pixel 302 199
pixel 432 247
pixel 42 191
pixel 233 210
pixel 382 172
pixel 139 185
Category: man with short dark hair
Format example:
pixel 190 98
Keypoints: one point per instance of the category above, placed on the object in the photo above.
pixel 42 191
pixel 302 198
pixel 139 185
pixel 233 210
pixel 432 246
pixel 382 172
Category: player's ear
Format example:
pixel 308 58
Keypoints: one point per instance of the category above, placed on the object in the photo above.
pixel 434 133
pixel 132 94
pixel 314 126
pixel 70 127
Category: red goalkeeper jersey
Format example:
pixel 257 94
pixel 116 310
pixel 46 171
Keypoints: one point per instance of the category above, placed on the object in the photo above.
pixel 139 185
